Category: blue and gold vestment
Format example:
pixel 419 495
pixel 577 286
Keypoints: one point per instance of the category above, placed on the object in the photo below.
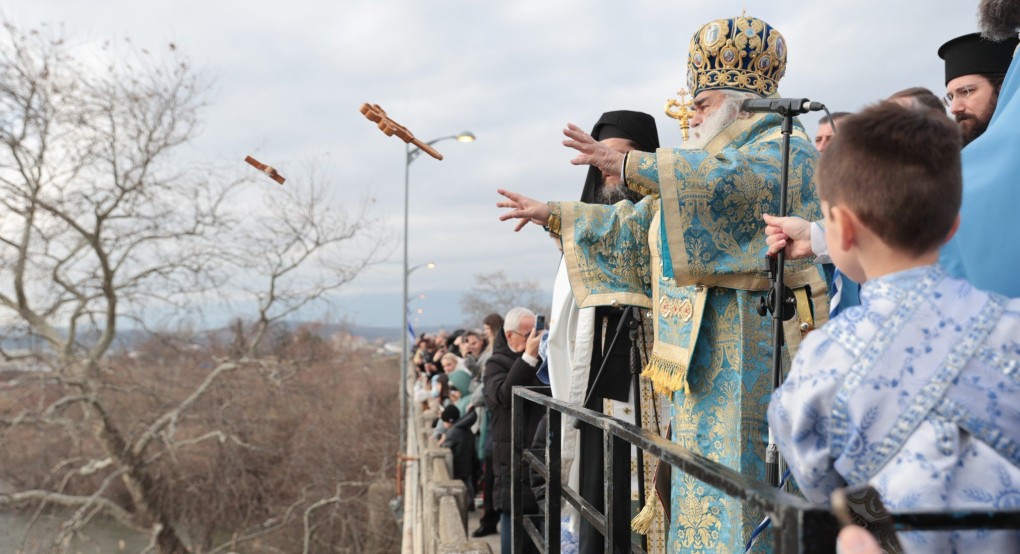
pixel 916 393
pixel 694 253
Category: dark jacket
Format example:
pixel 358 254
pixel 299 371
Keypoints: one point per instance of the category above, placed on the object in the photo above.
pixel 538 446
pixel 504 370
pixel 461 442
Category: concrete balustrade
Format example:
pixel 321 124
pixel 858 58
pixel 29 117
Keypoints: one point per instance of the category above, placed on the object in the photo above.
pixel 438 503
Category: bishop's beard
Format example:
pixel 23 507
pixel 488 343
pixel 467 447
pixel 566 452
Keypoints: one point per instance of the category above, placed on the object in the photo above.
pixel 999 18
pixel 713 124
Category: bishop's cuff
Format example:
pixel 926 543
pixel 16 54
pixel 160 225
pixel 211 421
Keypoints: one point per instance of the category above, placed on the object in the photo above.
pixel 636 172
pixel 554 223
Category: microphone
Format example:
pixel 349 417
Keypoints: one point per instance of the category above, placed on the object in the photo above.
pixel 782 106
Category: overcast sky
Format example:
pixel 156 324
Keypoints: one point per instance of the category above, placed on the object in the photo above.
pixel 289 78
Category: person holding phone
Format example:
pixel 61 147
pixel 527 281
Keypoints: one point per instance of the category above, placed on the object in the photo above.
pixel 513 363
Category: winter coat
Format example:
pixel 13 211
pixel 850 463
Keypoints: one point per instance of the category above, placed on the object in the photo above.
pixel 504 370
pixel 461 442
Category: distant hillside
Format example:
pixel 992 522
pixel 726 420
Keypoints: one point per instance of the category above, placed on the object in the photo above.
pixel 129 339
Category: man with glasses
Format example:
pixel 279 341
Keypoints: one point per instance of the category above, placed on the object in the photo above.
pixel 513 363
pixel 975 68
pixel 985 250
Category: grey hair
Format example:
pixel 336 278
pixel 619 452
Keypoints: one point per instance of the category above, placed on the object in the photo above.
pixel 737 97
pixel 512 321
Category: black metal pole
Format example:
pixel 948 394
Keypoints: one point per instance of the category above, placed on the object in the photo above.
pixel 773 459
pixel 633 315
pixel 605 360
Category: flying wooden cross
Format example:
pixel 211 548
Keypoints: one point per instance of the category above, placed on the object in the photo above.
pixel 269 170
pixel 389 127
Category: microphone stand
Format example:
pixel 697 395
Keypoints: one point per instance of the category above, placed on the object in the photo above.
pixel 779 301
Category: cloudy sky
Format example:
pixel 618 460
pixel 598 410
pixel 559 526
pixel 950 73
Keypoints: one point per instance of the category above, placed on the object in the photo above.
pixel 289 78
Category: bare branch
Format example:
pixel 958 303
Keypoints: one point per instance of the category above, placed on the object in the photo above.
pixel 68 500
pixel 169 418
pixel 335 499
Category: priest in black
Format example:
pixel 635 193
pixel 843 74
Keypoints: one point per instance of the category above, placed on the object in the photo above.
pixel 582 341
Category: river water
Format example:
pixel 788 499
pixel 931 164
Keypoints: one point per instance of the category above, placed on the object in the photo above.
pixel 105 536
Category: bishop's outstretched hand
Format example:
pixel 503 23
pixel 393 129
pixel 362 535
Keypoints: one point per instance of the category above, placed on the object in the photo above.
pixel 592 152
pixel 523 208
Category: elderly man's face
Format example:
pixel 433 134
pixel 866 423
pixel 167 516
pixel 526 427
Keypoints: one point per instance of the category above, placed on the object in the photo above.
pixel 714 111
pixel 517 338
pixel 705 104
pixel 972 100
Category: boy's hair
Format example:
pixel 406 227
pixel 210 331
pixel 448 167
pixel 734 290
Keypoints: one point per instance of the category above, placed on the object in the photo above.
pixel 450 414
pixel 834 116
pixel 921 96
pixel 898 170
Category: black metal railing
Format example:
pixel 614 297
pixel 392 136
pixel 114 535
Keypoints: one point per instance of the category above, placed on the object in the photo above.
pixel 799 527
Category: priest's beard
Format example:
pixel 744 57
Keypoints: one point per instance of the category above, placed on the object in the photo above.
pixel 611 194
pixel 999 18
pixel 971 127
pixel 714 123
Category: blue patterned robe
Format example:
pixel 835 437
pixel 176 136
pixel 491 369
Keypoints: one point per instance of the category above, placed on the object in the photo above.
pixel 984 249
pixel 693 252
pixel 916 392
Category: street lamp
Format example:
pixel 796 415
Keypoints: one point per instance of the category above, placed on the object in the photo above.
pixel 419 311
pixel 429 265
pixel 405 353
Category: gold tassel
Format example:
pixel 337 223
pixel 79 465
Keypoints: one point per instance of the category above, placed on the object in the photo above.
pixel 667 376
pixel 642 522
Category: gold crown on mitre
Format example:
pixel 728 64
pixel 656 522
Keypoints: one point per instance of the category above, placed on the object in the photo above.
pixel 742 53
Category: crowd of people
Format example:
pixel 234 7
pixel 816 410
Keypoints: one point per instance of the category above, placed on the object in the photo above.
pixel 901 263
pixel 449 369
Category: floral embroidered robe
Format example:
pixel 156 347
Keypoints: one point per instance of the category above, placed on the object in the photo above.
pixel 693 252
pixel 916 392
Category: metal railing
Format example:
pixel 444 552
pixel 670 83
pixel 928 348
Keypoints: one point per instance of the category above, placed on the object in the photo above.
pixel 799 527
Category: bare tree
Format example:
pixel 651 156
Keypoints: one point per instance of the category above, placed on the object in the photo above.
pixel 299 249
pixel 101 220
pixel 496 293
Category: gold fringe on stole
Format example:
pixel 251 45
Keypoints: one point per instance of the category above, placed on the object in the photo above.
pixel 642 522
pixel 667 376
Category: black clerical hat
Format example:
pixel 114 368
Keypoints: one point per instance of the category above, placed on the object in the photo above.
pixel 971 54
pixel 638 127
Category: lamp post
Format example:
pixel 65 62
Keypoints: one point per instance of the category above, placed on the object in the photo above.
pixel 410 155
pixel 407 299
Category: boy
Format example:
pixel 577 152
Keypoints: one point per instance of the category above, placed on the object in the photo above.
pixel 916 391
